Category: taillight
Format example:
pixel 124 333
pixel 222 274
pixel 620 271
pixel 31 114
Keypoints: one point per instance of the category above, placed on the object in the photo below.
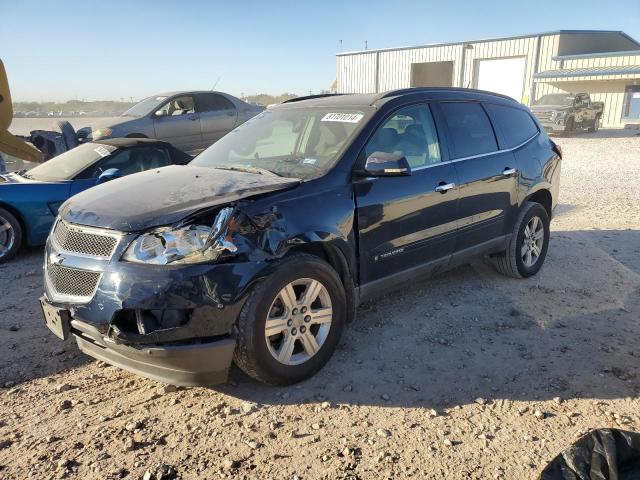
pixel 557 148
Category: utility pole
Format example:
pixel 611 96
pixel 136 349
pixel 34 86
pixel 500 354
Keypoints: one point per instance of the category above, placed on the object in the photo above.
pixel 366 45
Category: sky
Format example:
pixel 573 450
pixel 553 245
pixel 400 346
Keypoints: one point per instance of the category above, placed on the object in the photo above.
pixel 61 50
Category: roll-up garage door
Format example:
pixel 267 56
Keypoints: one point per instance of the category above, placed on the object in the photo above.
pixel 504 75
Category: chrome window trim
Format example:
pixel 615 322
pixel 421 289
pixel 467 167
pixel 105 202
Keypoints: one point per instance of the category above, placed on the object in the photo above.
pixel 480 155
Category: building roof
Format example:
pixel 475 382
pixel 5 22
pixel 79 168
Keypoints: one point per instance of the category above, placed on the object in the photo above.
pixel 589 72
pixel 492 39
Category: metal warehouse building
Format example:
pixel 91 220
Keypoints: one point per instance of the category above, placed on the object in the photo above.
pixel 605 64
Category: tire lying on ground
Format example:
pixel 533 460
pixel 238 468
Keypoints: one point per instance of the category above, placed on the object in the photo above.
pixel 291 322
pixel 68 133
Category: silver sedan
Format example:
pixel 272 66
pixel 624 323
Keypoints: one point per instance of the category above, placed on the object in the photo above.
pixel 191 121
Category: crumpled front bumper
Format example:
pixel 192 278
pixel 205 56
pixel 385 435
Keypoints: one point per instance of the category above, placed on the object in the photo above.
pixel 197 351
pixel 191 364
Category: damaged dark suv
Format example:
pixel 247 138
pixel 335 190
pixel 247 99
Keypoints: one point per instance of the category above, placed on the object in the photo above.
pixel 261 248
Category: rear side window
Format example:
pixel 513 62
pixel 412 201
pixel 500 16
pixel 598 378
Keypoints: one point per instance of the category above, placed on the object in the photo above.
pixel 514 125
pixel 469 128
pixel 211 102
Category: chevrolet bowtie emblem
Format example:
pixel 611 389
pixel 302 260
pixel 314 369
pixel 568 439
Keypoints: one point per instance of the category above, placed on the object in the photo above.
pixel 55 259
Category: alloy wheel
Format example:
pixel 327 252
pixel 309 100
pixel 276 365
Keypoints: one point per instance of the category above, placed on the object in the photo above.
pixel 298 321
pixel 532 242
pixel 7 236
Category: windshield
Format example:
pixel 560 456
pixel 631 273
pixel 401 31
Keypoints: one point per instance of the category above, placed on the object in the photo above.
pixel 70 163
pixel 294 142
pixel 144 107
pixel 556 99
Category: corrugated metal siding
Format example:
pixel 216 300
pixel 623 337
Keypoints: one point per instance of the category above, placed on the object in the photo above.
pixel 356 73
pixel 395 65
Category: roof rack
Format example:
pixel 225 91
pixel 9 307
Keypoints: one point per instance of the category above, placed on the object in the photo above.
pixel 402 91
pixel 309 97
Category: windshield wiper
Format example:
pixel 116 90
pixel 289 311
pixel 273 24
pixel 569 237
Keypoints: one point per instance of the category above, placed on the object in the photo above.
pixel 259 171
pixel 23 173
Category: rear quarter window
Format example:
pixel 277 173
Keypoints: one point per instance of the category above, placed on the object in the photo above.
pixel 515 126
pixel 470 130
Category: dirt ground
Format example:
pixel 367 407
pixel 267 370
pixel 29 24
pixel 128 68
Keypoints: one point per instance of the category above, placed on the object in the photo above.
pixel 469 375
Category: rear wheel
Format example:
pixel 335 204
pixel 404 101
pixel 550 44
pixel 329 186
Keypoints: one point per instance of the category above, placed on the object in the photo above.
pixel 292 322
pixel 10 235
pixel 528 245
pixel 596 124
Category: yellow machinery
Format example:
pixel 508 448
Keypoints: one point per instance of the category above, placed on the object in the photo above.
pixel 8 143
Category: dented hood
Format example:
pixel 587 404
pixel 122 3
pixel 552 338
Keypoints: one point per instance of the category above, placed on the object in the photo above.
pixel 164 196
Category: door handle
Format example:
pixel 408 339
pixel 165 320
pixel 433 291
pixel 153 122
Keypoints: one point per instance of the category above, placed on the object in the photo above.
pixel 444 187
pixel 509 172
pixel 231 114
pixel 193 119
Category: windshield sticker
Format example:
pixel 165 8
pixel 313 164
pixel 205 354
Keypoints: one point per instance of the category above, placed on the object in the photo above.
pixel 343 117
pixel 102 151
pixel 309 161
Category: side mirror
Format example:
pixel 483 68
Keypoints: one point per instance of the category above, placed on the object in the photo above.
pixel 160 113
pixel 383 164
pixel 107 175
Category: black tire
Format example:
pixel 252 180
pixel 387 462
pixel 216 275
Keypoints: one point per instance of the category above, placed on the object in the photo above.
pixel 68 133
pixel 252 354
pixel 595 126
pixel 569 126
pixel 511 262
pixel 10 235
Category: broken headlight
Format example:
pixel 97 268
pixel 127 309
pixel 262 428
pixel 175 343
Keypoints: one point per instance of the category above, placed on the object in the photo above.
pixel 185 244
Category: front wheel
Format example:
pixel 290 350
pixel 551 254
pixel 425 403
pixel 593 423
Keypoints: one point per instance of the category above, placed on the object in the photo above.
pixel 10 235
pixel 528 245
pixel 596 124
pixel 292 322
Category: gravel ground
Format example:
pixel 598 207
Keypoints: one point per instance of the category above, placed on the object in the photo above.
pixel 469 375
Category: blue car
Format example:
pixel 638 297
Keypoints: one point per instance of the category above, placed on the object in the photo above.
pixel 29 199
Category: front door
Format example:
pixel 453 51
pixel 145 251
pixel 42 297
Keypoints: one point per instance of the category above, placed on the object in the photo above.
pixel 487 175
pixel 178 123
pixel 406 222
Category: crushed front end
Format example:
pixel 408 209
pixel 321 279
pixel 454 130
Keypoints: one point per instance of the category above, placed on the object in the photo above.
pixel 172 323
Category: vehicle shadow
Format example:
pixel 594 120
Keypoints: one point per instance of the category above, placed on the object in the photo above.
pixel 466 334
pixel 471 333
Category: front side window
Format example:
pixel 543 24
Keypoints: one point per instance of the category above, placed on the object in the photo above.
pixel 178 106
pixel 130 161
pixel 469 128
pixel 515 124
pixel 409 132
pixel 299 142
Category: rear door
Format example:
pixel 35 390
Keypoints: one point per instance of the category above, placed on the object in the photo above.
pixel 403 222
pixel 217 116
pixel 487 175
pixel 179 123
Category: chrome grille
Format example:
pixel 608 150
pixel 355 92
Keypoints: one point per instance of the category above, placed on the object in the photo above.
pixel 79 240
pixel 71 282
pixel 542 115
